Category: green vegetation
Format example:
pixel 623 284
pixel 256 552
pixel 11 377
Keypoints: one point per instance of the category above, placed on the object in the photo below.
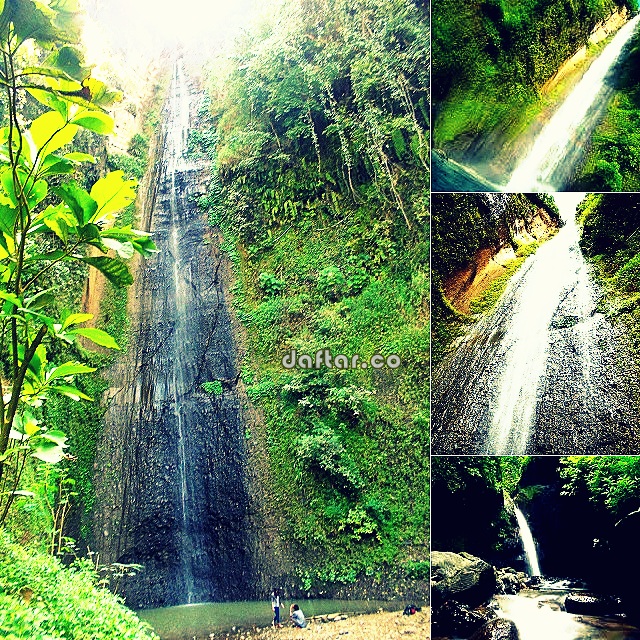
pixel 320 186
pixel 40 599
pixel 613 160
pixel 54 214
pixel 491 60
pixel 611 240
pixel 463 225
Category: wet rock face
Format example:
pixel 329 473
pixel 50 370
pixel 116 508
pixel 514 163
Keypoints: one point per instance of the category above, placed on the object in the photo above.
pixel 171 488
pixel 591 605
pixel 462 577
pixel 498 629
pixel 454 619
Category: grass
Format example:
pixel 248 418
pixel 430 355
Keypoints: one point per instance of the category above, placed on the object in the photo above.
pixel 490 297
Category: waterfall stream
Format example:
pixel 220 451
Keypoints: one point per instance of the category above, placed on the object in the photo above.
pixel 559 147
pixel 541 373
pixel 528 543
pixel 171 486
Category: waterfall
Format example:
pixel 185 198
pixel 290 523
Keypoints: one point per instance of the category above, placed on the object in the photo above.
pixel 557 268
pixel 540 373
pixel 528 543
pixel 172 488
pixel 560 145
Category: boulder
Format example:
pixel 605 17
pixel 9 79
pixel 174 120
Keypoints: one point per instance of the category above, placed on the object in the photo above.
pixel 461 576
pixel 507 583
pixel 454 619
pixel 591 605
pixel 497 629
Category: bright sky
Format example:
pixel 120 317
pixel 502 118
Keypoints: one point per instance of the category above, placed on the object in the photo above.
pixel 159 23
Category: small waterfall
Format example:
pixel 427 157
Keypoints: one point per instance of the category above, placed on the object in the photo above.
pixel 528 543
pixel 560 144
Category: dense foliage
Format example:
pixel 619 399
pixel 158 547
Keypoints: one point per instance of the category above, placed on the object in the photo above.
pixel 42 600
pixel 57 219
pixel 491 59
pixel 613 160
pixel 611 239
pixel 320 185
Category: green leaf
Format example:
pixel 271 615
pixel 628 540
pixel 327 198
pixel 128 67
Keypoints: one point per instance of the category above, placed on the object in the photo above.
pixel 40 300
pixel 99 337
pixel 124 250
pixel 48 451
pixel 10 297
pixel 112 193
pixel 114 269
pixel 71 392
pixel 76 318
pixel 69 61
pixel 51 131
pixel 95 121
pixel 54 165
pixel 80 202
pixel 140 240
pixel 67 369
pixel 36 192
pixel 31 20
pixel 56 436
pixel 77 156
pixel 99 94
pixel 50 98
pixel 60 220
pixel 8 217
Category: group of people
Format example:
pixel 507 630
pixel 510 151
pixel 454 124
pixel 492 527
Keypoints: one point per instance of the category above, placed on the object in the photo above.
pixel 295 612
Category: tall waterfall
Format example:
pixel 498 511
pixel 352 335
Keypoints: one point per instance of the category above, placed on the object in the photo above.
pixel 560 145
pixel 528 543
pixel 171 487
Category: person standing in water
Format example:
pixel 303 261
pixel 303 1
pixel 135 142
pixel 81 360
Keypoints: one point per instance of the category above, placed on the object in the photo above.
pixel 275 605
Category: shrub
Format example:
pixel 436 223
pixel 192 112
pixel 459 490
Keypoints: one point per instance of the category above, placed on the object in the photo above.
pixel 271 285
pixel 331 283
pixel 42 600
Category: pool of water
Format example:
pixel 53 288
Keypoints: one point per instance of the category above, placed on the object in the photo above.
pixel 199 620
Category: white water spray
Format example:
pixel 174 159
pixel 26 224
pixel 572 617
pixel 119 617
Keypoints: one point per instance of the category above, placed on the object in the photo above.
pixel 528 543
pixel 177 140
pixel 557 269
pixel 566 128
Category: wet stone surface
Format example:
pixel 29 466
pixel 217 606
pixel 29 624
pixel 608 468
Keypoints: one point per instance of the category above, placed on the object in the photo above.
pixel 171 484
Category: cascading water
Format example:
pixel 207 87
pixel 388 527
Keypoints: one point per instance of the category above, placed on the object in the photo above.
pixel 559 147
pixel 528 543
pixel 540 374
pixel 171 487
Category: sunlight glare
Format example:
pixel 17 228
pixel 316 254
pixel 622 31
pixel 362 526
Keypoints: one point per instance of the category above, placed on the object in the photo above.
pixel 171 23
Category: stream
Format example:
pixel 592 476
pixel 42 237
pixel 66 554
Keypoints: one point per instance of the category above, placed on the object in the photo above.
pixel 538 615
pixel 171 487
pixel 540 374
